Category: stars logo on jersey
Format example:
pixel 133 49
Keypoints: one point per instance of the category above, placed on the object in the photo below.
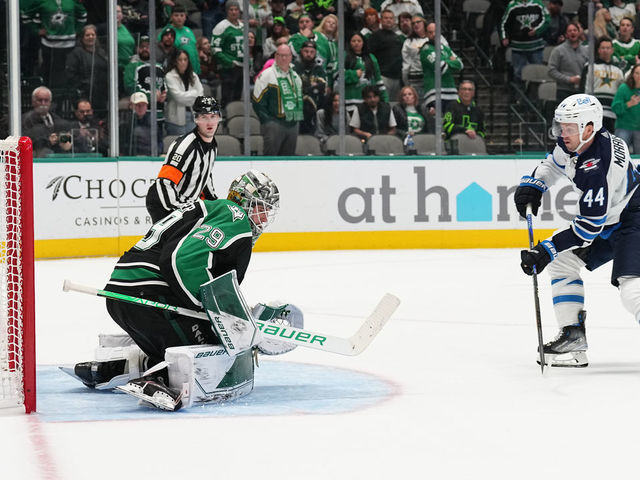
pixel 236 212
pixel 590 164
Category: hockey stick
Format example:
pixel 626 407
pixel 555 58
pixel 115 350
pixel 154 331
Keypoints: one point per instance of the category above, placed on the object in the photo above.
pixel 353 345
pixel 536 299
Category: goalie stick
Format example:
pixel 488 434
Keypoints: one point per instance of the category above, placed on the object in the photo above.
pixel 353 345
pixel 536 298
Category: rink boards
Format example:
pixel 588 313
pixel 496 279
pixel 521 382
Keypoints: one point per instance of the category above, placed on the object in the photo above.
pixel 97 206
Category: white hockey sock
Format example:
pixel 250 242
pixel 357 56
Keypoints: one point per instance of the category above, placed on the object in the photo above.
pixel 568 299
pixel 630 295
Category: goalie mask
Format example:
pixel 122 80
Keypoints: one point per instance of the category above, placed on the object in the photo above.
pixel 256 193
pixel 574 114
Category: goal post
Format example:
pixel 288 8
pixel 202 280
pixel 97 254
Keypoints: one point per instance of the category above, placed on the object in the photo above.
pixel 17 300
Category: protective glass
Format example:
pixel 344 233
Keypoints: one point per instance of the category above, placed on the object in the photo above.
pixel 564 129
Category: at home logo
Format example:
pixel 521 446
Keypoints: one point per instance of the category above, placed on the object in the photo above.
pixel 472 204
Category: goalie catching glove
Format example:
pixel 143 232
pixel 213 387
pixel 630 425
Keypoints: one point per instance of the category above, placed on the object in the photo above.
pixel 283 315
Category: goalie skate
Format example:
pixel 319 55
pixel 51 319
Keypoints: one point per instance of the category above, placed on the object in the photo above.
pixel 569 348
pixel 153 392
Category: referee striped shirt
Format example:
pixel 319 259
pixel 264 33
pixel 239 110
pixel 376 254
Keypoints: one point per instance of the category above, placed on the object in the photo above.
pixel 186 174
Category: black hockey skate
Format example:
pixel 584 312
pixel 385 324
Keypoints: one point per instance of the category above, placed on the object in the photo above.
pixel 152 391
pixel 95 373
pixel 569 348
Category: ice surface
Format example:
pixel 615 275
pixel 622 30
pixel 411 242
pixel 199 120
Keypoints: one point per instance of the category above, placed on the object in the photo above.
pixel 464 399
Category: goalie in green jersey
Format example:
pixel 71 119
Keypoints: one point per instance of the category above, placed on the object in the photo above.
pixel 188 248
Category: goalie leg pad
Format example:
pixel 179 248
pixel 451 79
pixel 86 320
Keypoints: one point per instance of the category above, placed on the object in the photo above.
pixel 287 315
pixel 206 374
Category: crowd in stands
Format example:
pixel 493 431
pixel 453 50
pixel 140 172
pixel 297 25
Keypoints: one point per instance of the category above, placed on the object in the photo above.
pixel 389 70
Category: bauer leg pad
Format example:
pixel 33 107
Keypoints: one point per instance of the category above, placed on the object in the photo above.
pixel 206 374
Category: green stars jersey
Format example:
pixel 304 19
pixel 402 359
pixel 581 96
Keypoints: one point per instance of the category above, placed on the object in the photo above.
pixel 185 249
pixel 226 44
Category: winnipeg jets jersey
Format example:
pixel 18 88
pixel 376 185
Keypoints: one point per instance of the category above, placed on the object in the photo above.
pixel 604 176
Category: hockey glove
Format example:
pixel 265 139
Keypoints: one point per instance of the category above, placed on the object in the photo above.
pixel 529 191
pixel 539 257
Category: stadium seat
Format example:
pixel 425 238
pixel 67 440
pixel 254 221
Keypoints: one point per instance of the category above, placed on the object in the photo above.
pixel 228 146
pixel 236 109
pixel 235 126
pixel 257 145
pixel 308 145
pixel 385 145
pixel 469 146
pixel 352 145
pixel 426 144
pixel 166 142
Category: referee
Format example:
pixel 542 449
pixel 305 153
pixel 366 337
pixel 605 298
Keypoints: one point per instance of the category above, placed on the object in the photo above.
pixel 186 174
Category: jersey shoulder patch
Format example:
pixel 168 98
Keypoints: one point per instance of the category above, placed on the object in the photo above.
pixel 236 212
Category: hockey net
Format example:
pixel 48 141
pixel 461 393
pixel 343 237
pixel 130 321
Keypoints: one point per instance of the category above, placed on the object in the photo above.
pixel 17 335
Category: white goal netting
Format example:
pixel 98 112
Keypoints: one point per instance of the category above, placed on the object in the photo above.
pixel 12 301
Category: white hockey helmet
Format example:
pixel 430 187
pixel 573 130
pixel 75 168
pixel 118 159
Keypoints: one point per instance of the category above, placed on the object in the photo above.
pixel 258 195
pixel 580 109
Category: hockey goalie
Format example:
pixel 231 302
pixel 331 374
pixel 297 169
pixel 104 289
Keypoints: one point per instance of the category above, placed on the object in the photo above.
pixel 193 258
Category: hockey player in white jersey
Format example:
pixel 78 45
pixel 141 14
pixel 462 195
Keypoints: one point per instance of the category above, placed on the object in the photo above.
pixel 606 226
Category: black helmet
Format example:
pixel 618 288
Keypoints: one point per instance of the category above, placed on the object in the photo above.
pixel 206 105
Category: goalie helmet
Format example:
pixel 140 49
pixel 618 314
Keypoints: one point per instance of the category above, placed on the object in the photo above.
pixel 256 193
pixel 581 110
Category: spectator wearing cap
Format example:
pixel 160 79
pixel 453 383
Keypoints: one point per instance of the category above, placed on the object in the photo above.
pixel 557 24
pixel 277 100
pixel 277 30
pixel 227 38
pixel 183 87
pixel 137 77
pixel 323 47
pixel 165 46
pixel 135 130
pixel 314 85
pixel 386 45
pixel 184 36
